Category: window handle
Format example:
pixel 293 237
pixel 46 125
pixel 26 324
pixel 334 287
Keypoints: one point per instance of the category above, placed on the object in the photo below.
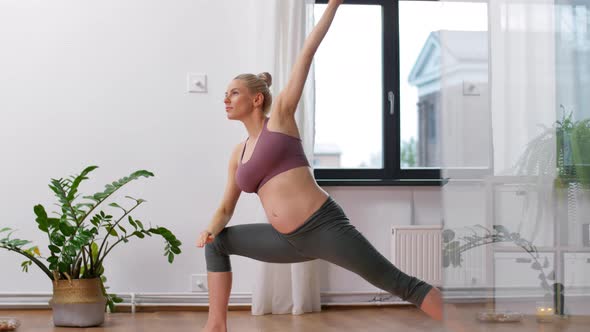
pixel 391 98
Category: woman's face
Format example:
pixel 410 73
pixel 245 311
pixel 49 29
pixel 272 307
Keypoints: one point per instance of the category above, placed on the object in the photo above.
pixel 238 101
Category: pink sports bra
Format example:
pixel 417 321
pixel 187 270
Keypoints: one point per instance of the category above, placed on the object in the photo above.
pixel 273 153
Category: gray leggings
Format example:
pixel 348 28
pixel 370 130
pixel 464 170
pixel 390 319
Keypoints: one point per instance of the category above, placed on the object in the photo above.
pixel 326 235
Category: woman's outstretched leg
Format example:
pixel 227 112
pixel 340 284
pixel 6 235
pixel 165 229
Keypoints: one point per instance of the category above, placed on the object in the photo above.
pixel 337 241
pixel 219 284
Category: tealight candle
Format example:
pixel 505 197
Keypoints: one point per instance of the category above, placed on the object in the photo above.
pixel 545 312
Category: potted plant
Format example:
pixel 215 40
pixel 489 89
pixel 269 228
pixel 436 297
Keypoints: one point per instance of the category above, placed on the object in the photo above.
pixel 80 238
pixel 573 144
pixel 453 248
pixel 571 139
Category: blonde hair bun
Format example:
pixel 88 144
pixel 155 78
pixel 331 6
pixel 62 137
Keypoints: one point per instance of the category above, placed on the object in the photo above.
pixel 266 77
pixel 259 84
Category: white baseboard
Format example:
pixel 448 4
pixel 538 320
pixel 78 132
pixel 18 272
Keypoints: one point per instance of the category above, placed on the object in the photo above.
pixel 41 300
pixel 458 295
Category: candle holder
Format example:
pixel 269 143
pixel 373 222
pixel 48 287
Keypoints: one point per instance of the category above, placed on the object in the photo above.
pixel 9 324
pixel 500 316
pixel 545 312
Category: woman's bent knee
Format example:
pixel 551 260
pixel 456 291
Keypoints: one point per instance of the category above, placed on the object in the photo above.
pixel 217 260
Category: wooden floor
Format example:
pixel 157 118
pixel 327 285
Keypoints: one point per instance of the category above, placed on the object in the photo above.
pixel 370 319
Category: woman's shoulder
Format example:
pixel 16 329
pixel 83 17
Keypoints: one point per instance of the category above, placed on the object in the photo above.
pixel 237 151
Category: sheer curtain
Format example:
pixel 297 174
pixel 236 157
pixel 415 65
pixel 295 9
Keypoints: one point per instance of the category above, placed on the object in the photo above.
pixel 287 288
pixel 517 191
pixel 519 116
pixel 524 106
pixel 523 75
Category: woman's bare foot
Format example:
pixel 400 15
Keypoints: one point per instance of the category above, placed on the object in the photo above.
pixel 432 304
pixel 214 328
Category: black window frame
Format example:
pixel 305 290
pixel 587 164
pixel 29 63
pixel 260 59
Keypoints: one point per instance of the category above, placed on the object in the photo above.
pixel 391 174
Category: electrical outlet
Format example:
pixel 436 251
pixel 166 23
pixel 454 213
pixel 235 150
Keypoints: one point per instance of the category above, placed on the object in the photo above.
pixel 196 82
pixel 199 283
pixel 470 89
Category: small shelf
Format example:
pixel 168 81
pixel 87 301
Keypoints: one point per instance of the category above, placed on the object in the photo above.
pixel 575 249
pixel 542 249
pixel 519 249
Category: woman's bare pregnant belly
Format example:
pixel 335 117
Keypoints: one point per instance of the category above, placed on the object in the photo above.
pixel 290 198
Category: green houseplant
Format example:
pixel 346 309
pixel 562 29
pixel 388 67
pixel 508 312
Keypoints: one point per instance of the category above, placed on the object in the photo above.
pixel 454 246
pixel 80 238
pixel 573 149
pixel 564 147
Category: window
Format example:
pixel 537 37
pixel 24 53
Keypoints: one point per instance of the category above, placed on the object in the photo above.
pixel 378 106
pixel 352 96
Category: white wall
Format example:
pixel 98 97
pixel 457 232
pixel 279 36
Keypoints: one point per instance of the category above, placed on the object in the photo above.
pixel 103 83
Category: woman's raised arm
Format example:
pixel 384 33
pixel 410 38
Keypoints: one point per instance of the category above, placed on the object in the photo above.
pixel 287 100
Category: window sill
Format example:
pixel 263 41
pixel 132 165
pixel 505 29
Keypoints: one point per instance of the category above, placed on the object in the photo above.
pixel 376 182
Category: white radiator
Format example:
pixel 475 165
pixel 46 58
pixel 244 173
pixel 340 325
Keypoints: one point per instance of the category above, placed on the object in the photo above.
pixel 417 251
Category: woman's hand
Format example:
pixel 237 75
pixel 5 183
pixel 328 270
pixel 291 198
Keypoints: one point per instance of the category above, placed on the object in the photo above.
pixel 205 238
